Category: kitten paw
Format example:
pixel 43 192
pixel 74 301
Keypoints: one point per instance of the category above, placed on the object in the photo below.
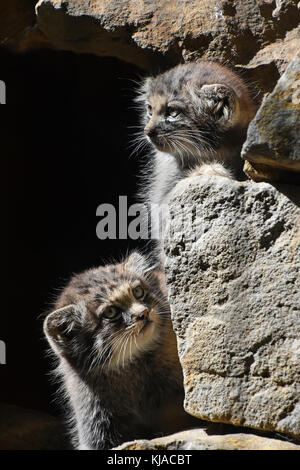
pixel 211 169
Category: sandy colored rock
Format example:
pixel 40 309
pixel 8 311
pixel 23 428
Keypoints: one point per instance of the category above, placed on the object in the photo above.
pixel 258 38
pixel 198 439
pixel 280 52
pixel 233 260
pixel 157 35
pixel 272 148
pixel 264 70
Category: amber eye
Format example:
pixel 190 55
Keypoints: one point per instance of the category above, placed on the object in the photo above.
pixel 172 112
pixel 112 312
pixel 138 292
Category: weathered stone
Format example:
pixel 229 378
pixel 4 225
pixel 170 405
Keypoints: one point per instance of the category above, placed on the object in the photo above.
pixel 12 24
pixel 19 31
pixel 161 34
pixel 264 69
pixel 259 38
pixel 24 429
pixel 279 53
pixel 198 439
pixel 232 267
pixel 272 148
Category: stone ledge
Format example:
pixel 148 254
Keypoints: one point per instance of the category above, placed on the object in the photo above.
pixel 198 439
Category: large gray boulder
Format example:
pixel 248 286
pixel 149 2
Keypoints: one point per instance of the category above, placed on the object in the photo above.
pixel 233 275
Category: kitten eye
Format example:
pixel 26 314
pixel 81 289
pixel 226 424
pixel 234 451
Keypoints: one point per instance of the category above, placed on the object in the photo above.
pixel 138 292
pixel 172 112
pixel 111 312
pixel 149 109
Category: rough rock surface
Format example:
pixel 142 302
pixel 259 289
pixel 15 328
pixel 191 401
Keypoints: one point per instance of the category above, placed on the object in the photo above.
pixel 12 24
pixel 19 30
pixel 272 147
pixel 233 262
pixel 198 439
pixel 24 429
pixel 260 37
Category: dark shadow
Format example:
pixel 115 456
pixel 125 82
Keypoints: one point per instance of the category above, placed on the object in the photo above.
pixel 291 191
pixel 65 150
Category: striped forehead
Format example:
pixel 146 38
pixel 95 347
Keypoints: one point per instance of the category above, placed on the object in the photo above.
pixel 116 284
pixel 158 102
pixel 122 293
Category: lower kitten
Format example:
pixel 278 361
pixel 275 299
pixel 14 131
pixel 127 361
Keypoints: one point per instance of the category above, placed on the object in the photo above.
pixel 117 351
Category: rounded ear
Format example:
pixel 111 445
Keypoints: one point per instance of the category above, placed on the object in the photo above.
pixel 138 263
pixel 221 100
pixel 61 325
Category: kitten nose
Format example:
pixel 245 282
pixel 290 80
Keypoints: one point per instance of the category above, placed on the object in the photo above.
pixel 144 314
pixel 149 131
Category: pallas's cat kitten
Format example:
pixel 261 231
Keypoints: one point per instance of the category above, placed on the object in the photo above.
pixel 117 355
pixel 195 116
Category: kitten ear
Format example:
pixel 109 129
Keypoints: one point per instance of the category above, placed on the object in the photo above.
pixel 61 325
pixel 221 100
pixel 138 263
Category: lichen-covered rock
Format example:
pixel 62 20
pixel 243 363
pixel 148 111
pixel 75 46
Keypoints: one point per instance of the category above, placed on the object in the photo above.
pixel 233 261
pixel 272 148
pixel 198 439
pixel 161 34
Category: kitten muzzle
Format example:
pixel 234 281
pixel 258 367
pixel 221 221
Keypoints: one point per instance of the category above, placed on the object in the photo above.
pixel 142 319
pixel 144 315
pixel 149 131
pixel 145 324
pixel 152 134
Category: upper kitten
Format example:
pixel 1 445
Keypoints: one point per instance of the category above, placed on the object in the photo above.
pixel 195 116
pixel 117 353
pixel 198 112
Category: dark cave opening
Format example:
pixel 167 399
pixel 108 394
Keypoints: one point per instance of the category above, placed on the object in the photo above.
pixel 65 146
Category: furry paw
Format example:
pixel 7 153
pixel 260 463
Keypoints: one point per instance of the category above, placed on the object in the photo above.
pixel 211 169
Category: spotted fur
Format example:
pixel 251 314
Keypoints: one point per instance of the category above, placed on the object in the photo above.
pixel 118 376
pixel 195 118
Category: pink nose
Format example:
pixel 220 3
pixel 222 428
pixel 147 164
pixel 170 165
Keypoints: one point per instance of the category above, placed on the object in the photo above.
pixel 148 131
pixel 144 314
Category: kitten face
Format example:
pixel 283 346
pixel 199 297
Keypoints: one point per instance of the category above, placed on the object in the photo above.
pixel 172 124
pixel 189 109
pixel 108 316
pixel 131 319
